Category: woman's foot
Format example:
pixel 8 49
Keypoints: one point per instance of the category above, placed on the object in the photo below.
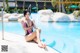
pixel 41 45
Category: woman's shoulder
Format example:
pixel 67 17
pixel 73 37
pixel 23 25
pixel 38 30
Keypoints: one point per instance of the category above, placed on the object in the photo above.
pixel 32 20
pixel 22 20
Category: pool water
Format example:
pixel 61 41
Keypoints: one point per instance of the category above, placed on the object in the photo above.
pixel 61 36
pixel 13 27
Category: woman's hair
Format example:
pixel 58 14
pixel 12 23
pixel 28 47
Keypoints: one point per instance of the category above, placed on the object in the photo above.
pixel 26 11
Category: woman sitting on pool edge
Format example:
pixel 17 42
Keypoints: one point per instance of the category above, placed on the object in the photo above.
pixel 28 28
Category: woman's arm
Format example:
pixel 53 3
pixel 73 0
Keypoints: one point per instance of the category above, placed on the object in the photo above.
pixel 27 28
pixel 24 26
pixel 34 24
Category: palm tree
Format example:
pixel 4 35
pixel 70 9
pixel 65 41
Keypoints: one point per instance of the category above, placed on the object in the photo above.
pixel 45 4
pixel 15 5
pixel 4 4
pixel 36 4
pixel 54 2
pixel 7 6
pixel 63 8
pixel 59 6
pixel 23 5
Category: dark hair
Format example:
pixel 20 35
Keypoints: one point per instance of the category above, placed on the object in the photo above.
pixel 25 12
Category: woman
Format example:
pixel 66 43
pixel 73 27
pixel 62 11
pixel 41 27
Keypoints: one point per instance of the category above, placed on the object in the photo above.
pixel 30 34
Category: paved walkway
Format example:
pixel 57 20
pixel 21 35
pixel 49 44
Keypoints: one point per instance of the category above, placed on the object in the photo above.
pixel 17 44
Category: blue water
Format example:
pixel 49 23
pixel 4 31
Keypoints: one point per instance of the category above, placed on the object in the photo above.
pixel 13 27
pixel 61 36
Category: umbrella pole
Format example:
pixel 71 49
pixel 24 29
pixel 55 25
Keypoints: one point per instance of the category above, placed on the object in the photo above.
pixel 2 25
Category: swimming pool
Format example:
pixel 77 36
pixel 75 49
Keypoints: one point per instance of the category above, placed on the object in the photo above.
pixel 62 36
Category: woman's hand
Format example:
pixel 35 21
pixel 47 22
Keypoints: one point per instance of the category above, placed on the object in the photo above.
pixel 30 27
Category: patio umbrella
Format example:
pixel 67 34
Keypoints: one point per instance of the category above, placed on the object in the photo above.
pixel 34 8
pixel 73 6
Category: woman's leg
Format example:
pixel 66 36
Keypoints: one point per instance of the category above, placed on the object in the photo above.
pixel 30 37
pixel 40 44
pixel 36 37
